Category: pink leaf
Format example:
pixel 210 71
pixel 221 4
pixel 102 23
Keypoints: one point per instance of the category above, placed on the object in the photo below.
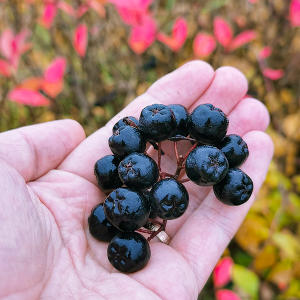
pixel 55 71
pixel 28 97
pixel 49 14
pixel 253 1
pixel 132 12
pixel 204 44
pixel 6 43
pixel 222 272
pixel 273 74
pixel 80 39
pixel 294 14
pixel 226 295
pixel 179 34
pixel 222 32
pixel 67 8
pixel 141 37
pixel 5 69
pixel 242 39
pixel 265 52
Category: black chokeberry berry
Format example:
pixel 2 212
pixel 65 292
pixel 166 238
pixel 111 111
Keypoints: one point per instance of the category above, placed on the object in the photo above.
pixel 157 122
pixel 100 228
pixel 106 172
pixel 235 189
pixel 235 149
pixel 169 199
pixel 126 140
pixel 206 165
pixel 138 171
pixel 208 124
pixel 182 119
pixel 127 210
pixel 128 252
pixel 127 121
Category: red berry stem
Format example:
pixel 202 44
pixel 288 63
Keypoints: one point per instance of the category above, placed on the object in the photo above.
pixel 176 152
pixel 160 229
pixel 184 180
pixel 145 231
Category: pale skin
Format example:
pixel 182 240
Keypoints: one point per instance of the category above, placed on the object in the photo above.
pixel 48 190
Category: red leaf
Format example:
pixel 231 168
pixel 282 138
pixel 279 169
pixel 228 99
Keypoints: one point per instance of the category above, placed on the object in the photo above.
pixel 179 34
pixel 222 32
pixel 32 83
pixel 141 37
pixel 242 39
pixel 204 44
pixel 52 88
pixel 28 97
pixel 265 52
pixel 226 295
pixel 49 13
pixel 222 272
pixel 132 12
pixel 273 74
pixel 80 39
pixel 6 43
pixel 55 71
pixel 5 69
pixel 294 14
pixel 67 8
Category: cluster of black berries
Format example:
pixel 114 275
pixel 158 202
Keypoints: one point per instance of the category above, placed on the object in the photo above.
pixel 142 195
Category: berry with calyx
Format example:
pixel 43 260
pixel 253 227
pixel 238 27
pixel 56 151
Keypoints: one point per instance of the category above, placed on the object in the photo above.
pixel 208 124
pixel 235 149
pixel 182 119
pixel 126 209
pixel 138 171
pixel 128 252
pixel 169 199
pixel 106 172
pixel 99 227
pixel 235 189
pixel 206 165
pixel 157 122
pixel 126 140
pixel 127 121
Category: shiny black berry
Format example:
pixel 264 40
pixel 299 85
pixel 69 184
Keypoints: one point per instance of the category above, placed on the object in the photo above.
pixel 100 228
pixel 169 199
pixel 106 172
pixel 208 124
pixel 138 171
pixel 127 121
pixel 235 149
pixel 128 252
pixel 126 140
pixel 235 189
pixel 157 122
pixel 182 119
pixel 206 165
pixel 127 210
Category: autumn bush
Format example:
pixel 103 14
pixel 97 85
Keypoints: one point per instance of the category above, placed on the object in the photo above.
pixel 86 59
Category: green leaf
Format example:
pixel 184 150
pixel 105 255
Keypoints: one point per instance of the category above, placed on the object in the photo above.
pixel 246 280
pixel 42 35
pixel 288 244
pixel 213 5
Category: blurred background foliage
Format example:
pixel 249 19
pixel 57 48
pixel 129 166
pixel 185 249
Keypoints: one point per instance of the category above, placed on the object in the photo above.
pixel 87 59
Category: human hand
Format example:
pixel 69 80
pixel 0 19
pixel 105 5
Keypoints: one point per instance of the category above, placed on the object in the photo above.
pixel 48 190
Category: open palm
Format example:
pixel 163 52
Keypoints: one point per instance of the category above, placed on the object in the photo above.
pixel 48 190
